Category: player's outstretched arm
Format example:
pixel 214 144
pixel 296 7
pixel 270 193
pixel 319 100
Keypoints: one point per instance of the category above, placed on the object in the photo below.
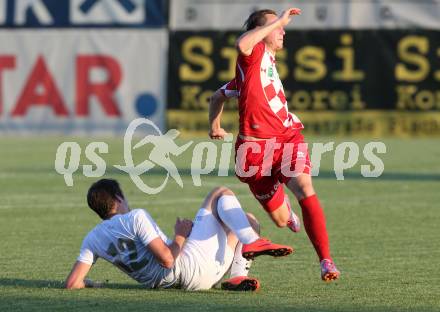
pixel 216 104
pixel 76 278
pixel 245 44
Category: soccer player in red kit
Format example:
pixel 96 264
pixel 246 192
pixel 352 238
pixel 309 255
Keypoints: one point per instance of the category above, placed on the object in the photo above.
pixel 267 129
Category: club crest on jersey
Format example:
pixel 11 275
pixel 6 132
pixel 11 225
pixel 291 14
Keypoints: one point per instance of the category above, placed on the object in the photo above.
pixel 270 72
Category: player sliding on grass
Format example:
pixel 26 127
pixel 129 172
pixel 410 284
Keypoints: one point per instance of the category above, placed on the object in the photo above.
pixel 266 123
pixel 219 238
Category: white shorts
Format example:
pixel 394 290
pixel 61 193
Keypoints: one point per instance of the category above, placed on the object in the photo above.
pixel 206 256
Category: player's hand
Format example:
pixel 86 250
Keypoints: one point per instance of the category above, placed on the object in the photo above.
pixel 286 16
pixel 217 134
pixel 183 227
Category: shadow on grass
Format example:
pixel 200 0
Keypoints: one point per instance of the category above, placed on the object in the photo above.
pixel 54 284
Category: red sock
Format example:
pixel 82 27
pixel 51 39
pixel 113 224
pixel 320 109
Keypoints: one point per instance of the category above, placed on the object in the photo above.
pixel 314 224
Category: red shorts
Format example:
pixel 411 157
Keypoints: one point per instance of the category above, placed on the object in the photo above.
pixel 265 165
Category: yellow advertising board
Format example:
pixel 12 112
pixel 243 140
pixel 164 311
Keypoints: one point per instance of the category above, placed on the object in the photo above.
pixel 371 123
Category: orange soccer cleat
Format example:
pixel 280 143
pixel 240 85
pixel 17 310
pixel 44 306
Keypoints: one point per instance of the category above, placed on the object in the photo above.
pixel 263 246
pixel 241 283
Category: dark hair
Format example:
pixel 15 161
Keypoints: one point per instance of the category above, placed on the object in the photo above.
pixel 102 195
pixel 257 18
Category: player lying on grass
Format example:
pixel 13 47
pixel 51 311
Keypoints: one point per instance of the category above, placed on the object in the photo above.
pixel 266 122
pixel 221 236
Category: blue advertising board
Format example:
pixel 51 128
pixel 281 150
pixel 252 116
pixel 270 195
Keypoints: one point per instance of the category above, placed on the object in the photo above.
pixel 83 13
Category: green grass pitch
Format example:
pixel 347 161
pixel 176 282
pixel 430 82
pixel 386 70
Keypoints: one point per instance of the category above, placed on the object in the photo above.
pixel 384 234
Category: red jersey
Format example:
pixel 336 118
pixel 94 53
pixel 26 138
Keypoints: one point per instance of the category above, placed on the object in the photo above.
pixel 261 101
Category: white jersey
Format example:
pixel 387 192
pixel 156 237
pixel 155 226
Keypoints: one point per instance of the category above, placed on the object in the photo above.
pixel 123 240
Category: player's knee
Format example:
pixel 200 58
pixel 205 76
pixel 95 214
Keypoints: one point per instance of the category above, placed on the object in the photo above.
pixel 223 190
pixel 215 195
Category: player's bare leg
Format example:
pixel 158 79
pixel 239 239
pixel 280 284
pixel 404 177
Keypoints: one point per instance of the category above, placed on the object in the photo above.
pixel 285 216
pixel 314 223
pixel 280 216
pixel 301 186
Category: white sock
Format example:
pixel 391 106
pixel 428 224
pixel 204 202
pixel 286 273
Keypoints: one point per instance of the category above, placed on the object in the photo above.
pixel 231 213
pixel 240 266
